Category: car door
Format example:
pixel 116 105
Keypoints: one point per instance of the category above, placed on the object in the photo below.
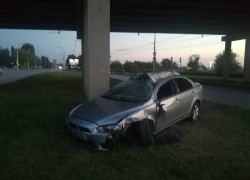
pixel 185 89
pixel 169 102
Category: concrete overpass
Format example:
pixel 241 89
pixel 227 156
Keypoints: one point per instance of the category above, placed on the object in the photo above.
pixel 95 19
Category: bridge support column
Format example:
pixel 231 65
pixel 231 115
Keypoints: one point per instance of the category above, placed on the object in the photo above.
pixel 96 47
pixel 227 60
pixel 246 73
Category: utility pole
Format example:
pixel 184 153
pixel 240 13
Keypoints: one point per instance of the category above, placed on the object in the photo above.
pixel 17 62
pixel 172 64
pixel 63 57
pixel 35 61
pixel 154 55
pixel 180 62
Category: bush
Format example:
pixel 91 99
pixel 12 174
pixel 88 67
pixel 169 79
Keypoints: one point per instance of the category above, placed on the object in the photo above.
pixel 193 73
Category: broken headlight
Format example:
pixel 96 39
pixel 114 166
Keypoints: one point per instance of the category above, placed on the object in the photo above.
pixel 113 127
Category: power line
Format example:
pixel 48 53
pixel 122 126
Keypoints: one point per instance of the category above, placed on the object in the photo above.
pixel 134 47
pixel 171 38
pixel 179 47
pixel 189 39
pixel 174 42
pixel 191 46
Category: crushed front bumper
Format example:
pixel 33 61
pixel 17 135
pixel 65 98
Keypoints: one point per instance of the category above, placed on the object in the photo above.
pixel 86 131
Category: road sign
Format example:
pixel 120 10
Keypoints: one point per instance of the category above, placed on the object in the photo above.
pixel 154 58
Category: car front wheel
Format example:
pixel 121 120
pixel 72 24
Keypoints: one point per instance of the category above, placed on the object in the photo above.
pixel 146 134
pixel 195 112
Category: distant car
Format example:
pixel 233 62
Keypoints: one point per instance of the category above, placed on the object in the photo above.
pixel 1 72
pixel 154 101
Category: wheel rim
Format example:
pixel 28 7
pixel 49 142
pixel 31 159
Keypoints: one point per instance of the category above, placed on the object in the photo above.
pixel 195 112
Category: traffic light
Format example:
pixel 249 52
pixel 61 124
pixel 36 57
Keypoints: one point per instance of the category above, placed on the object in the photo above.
pixel 18 64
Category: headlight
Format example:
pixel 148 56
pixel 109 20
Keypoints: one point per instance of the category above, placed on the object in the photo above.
pixel 110 128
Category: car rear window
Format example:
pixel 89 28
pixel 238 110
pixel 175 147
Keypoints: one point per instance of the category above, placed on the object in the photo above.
pixel 183 84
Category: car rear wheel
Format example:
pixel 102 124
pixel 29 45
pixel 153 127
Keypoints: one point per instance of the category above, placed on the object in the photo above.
pixel 146 133
pixel 195 112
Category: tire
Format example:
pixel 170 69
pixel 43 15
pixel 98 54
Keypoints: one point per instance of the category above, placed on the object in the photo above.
pixel 146 135
pixel 195 112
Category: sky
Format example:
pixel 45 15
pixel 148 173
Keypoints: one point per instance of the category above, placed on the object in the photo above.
pixel 124 46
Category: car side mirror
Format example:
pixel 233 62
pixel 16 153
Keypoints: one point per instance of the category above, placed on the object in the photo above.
pixel 157 101
pixel 161 111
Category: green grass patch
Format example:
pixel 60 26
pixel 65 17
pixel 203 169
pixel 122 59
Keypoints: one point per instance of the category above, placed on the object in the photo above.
pixel 213 78
pixel 35 144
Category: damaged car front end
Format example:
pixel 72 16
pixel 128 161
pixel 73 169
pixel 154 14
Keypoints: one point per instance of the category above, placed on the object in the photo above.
pixel 154 101
pixel 108 117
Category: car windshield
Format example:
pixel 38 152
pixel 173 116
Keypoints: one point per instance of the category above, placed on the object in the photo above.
pixel 132 90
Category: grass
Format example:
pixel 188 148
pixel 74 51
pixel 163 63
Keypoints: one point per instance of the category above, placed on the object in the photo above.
pixel 35 144
pixel 213 78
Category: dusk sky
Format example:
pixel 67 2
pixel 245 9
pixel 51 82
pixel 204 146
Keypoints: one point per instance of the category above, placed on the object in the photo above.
pixel 124 46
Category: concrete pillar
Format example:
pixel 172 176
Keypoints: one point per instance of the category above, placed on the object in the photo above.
pixel 96 47
pixel 227 60
pixel 246 75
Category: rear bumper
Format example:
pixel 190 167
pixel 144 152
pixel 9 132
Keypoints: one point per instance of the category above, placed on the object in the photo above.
pixel 98 138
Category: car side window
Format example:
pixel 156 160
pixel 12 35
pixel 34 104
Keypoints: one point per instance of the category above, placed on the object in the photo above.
pixel 166 90
pixel 183 84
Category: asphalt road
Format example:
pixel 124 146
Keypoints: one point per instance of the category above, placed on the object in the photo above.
pixel 222 95
pixel 12 75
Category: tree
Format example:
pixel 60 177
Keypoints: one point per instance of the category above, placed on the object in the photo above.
pixel 134 68
pixel 235 65
pixel 127 66
pixel 5 57
pixel 28 47
pixel 116 65
pixel 167 64
pixel 26 55
pixel 204 68
pixel 193 61
pixel 45 62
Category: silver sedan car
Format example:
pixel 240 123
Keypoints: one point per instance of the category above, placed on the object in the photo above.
pixel 154 101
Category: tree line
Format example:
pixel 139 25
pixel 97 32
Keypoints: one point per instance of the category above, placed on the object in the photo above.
pixel 26 57
pixel 193 64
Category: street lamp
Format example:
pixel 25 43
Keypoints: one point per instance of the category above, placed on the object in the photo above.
pixel 17 60
pixel 63 57
pixel 35 60
pixel 28 60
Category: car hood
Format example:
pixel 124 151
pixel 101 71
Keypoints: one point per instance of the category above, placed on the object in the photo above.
pixel 104 111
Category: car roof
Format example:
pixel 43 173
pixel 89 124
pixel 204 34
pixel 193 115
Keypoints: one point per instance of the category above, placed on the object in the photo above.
pixel 158 76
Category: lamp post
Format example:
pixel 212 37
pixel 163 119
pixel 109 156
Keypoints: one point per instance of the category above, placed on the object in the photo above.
pixel 63 57
pixel 172 64
pixel 17 62
pixel 35 61
pixel 154 55
pixel 28 60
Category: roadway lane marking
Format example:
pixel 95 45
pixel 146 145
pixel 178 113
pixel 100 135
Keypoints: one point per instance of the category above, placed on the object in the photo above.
pixel 243 94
